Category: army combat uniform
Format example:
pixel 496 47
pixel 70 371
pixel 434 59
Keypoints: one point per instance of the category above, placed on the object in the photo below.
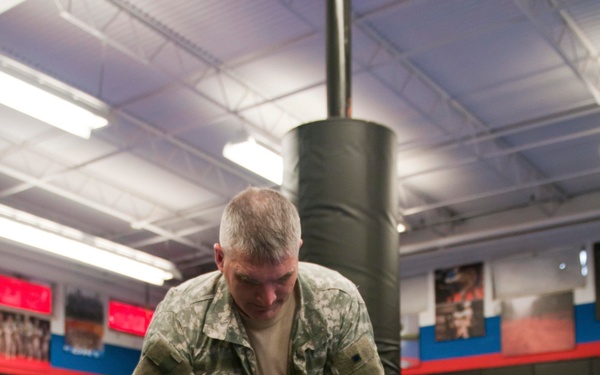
pixel 197 330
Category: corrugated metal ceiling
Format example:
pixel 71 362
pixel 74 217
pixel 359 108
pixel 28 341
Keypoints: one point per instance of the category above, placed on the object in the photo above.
pixel 492 103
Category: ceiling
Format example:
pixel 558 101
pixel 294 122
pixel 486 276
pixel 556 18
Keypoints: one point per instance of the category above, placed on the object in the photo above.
pixel 494 103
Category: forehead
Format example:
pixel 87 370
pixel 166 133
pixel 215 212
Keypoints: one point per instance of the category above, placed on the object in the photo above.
pixel 242 266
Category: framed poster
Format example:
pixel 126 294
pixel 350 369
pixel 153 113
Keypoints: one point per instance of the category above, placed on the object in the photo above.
pixel 538 324
pixel 24 337
pixel 84 323
pixel 459 302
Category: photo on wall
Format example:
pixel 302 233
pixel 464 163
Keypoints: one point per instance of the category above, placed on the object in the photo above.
pixel 459 302
pixel 84 323
pixel 409 341
pixel 24 337
pixel 538 324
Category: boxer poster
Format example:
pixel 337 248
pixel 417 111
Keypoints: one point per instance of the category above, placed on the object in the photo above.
pixel 459 302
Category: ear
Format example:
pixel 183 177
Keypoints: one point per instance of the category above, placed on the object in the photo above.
pixel 301 242
pixel 219 256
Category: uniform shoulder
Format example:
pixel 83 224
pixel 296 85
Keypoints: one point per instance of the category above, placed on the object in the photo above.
pixel 320 277
pixel 200 288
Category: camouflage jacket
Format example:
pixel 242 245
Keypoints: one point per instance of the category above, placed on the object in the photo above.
pixel 197 330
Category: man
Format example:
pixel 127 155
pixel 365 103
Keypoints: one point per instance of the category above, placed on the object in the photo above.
pixel 463 319
pixel 262 312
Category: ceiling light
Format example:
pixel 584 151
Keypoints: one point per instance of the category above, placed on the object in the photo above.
pixel 256 158
pixel 57 239
pixel 583 260
pixel 48 100
pixel 7 5
pixel 401 228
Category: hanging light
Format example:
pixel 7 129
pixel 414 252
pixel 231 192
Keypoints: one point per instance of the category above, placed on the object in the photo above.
pixel 57 239
pixel 256 158
pixel 48 100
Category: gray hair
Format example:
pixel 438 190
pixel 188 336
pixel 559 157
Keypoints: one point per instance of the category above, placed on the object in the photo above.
pixel 261 224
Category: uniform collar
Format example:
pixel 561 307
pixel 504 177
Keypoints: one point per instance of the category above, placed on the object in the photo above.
pixel 222 319
pixel 306 334
pixel 224 323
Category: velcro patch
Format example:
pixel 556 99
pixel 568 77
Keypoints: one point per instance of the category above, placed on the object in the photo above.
pixel 358 358
pixel 165 357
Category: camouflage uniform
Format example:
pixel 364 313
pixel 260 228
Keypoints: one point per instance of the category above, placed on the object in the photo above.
pixel 196 330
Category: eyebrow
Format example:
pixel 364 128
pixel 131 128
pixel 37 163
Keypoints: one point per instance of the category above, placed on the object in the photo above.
pixel 249 279
pixel 286 276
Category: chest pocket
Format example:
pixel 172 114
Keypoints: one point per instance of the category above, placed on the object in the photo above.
pixel 310 362
pixel 217 357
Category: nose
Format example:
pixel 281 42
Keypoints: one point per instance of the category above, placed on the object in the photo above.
pixel 267 295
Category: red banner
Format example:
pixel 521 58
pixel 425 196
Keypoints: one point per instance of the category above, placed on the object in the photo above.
pixel 128 318
pixel 25 295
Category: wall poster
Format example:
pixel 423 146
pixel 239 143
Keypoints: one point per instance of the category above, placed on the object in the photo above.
pixel 24 337
pixel 409 341
pixel 538 324
pixel 84 323
pixel 459 302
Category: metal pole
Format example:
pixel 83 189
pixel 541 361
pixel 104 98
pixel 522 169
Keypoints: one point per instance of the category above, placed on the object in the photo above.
pixel 339 94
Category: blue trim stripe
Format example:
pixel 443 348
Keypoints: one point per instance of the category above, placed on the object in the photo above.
pixel 116 360
pixel 587 330
pixel 490 343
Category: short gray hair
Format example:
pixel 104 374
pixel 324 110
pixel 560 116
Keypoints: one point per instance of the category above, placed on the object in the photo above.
pixel 261 224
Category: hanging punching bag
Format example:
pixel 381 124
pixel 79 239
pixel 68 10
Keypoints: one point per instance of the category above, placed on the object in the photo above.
pixel 341 173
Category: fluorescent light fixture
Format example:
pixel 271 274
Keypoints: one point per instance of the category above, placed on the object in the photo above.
pixel 6 5
pixel 57 239
pixel 583 260
pixel 45 99
pixel 256 158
